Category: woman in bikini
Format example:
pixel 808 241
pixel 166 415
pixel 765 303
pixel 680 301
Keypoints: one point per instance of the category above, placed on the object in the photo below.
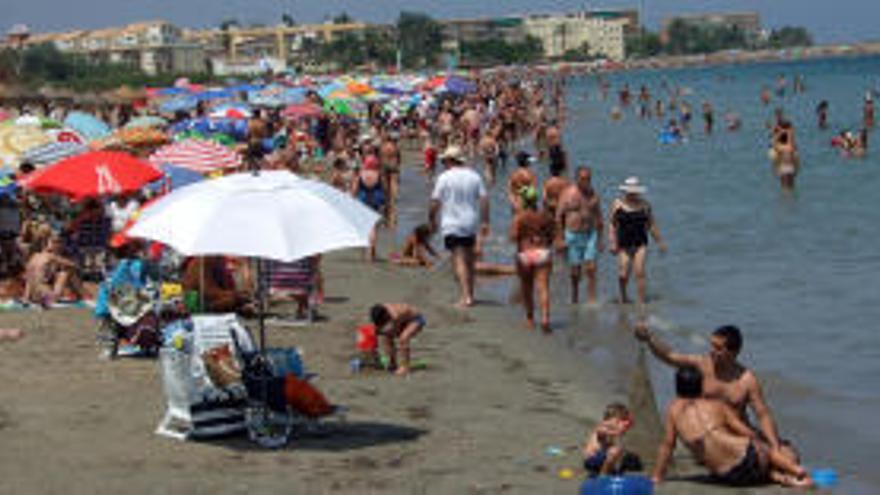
pixel 721 441
pixel 630 220
pixel 533 233
pixel 786 158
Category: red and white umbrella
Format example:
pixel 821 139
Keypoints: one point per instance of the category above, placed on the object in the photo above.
pixel 197 155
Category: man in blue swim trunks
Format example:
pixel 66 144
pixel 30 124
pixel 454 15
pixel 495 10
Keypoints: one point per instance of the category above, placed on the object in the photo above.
pixel 579 219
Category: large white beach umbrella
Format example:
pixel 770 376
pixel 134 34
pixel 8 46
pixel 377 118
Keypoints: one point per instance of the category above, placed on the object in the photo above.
pixel 271 215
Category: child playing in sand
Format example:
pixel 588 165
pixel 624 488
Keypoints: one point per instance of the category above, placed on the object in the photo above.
pixel 397 324
pixel 417 248
pixel 603 450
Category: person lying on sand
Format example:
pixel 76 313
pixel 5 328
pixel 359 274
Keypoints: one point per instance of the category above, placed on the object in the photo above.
pixel 417 248
pixel 720 440
pixel 49 276
pixel 10 334
pixel 397 324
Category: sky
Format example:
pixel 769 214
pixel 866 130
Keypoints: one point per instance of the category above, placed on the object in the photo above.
pixel 829 20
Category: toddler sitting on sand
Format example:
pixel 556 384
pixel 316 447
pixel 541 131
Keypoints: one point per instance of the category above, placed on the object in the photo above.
pixel 397 324
pixel 603 450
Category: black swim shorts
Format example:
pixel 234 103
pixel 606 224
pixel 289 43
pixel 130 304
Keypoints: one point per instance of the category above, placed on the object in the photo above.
pixel 453 241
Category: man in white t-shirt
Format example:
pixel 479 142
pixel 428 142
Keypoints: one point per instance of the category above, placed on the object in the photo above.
pixel 461 201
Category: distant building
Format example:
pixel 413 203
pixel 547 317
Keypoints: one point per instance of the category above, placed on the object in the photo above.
pixel 602 32
pixel 154 47
pixel 459 31
pixel 18 35
pixel 749 23
pixel 246 45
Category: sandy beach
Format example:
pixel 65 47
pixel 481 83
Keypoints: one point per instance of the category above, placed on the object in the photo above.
pixel 479 419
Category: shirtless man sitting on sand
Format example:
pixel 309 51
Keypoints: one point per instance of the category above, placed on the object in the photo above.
pixel 720 440
pixel 724 378
pixel 48 275
pixel 579 231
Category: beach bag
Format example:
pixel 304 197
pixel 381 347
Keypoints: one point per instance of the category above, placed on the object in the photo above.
pixel 222 367
pixel 305 398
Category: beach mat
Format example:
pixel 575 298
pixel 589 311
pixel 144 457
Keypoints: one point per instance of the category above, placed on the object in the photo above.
pixel 15 305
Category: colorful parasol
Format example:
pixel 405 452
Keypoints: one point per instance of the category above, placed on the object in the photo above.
pixel 97 173
pixel 302 110
pixel 197 155
pixel 17 139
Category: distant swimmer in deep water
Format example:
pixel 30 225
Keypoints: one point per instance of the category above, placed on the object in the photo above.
pixel 732 121
pixel 785 156
pixel 868 110
pixel 765 96
pixel 822 114
pixel 708 117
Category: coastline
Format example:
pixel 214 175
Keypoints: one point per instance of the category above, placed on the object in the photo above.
pixel 479 419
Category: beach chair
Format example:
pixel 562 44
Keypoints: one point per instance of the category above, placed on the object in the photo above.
pixel 196 407
pixel 297 281
pixel 89 245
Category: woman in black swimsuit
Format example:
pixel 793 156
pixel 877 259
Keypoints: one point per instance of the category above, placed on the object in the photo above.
pixel 630 220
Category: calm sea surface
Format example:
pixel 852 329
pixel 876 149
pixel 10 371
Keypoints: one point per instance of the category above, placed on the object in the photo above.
pixel 797 272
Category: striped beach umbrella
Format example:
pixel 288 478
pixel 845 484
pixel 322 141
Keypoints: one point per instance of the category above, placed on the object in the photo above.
pixel 53 152
pixel 198 155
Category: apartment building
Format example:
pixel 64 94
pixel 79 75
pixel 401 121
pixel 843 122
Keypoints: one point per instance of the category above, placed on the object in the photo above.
pixel 154 46
pixel 603 32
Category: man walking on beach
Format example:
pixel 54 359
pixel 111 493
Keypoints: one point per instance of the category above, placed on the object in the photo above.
pixel 579 223
pixel 460 199
pixel 724 378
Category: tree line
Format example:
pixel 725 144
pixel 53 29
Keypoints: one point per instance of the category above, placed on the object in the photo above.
pixel 686 38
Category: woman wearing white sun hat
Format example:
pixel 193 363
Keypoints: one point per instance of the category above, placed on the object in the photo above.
pixel 630 220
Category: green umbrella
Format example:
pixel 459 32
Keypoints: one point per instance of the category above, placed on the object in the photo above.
pixel 341 107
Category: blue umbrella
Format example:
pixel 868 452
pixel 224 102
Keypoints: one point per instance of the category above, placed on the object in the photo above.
pixel 459 86
pixel 233 127
pixel 179 176
pixel 214 94
pixel 87 125
pixel 179 104
pixel 171 91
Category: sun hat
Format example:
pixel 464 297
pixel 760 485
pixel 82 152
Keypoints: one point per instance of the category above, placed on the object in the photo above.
pixel 632 186
pixel 453 153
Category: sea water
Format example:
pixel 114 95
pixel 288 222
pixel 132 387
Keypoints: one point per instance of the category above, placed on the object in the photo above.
pixel 796 271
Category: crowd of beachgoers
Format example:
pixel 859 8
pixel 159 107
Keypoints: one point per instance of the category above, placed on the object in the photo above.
pixel 64 228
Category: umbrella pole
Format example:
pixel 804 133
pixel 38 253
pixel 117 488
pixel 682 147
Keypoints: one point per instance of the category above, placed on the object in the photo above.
pixel 261 296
